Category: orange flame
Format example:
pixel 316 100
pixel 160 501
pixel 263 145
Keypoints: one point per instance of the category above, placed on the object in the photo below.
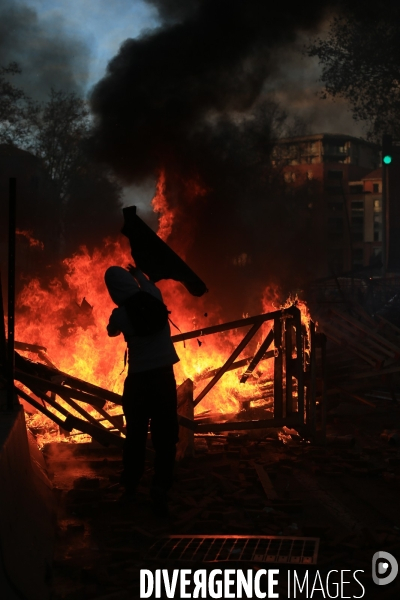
pixel 69 316
pixel 32 241
pixel 160 206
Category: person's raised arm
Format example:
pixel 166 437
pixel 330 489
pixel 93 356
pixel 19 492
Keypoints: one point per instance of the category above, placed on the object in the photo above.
pixel 145 284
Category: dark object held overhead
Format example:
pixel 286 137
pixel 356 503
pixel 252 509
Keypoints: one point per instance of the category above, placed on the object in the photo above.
pixel 155 258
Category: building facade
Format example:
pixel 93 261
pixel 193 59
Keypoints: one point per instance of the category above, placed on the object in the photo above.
pixel 342 176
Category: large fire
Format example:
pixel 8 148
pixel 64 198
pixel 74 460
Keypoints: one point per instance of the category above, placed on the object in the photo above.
pixel 69 317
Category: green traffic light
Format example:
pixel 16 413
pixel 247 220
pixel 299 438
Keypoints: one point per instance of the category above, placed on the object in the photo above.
pixel 387 159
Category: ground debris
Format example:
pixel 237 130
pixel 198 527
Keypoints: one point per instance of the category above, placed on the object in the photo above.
pixel 345 494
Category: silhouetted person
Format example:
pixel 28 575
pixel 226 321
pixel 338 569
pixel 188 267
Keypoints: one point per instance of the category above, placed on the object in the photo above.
pixel 149 389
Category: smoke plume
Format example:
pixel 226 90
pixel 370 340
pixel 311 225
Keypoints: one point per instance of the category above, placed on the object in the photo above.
pixel 189 100
pixel 46 54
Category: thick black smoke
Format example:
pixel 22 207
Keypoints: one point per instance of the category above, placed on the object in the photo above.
pixel 48 57
pixel 46 54
pixel 160 89
pixel 188 98
pixel 171 11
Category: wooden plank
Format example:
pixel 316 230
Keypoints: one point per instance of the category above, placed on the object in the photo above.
pixel 225 326
pixel 354 348
pixel 313 381
pixel 324 403
pixel 299 363
pixel 265 482
pixel 86 415
pixel 351 338
pixel 258 356
pixel 236 365
pixel 113 419
pixel 355 396
pixel 48 372
pixel 363 313
pixel 100 434
pixel 97 431
pixel 378 345
pixel 240 425
pixel 229 362
pixel 41 408
pixel 90 388
pixel 389 324
pixel 28 379
pixel 289 367
pixel 185 446
pixel 364 374
pixel 58 407
pixel 361 327
pixel 115 422
pixel 364 338
pixel 46 359
pixel 35 348
pixel 278 369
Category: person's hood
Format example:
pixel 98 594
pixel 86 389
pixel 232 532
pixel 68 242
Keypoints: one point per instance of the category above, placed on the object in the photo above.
pixel 120 284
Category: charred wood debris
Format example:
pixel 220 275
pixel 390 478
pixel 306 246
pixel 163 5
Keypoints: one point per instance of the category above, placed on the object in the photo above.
pixel 340 488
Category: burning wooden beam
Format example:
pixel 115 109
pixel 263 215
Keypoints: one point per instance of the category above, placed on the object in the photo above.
pixel 258 356
pixel 292 422
pixel 189 335
pixel 42 409
pixel 287 334
pixel 91 427
pixel 249 335
pixel 321 340
pixel 311 388
pixel 47 372
pixel 299 366
pixel 278 369
pixel 59 389
pixel 98 433
pixel 107 417
pixel 238 364
pixel 35 348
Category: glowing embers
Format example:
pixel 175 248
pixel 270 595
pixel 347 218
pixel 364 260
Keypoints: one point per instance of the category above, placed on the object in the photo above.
pixel 226 548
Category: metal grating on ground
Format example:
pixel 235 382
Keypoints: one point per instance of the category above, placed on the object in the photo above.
pixel 221 548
